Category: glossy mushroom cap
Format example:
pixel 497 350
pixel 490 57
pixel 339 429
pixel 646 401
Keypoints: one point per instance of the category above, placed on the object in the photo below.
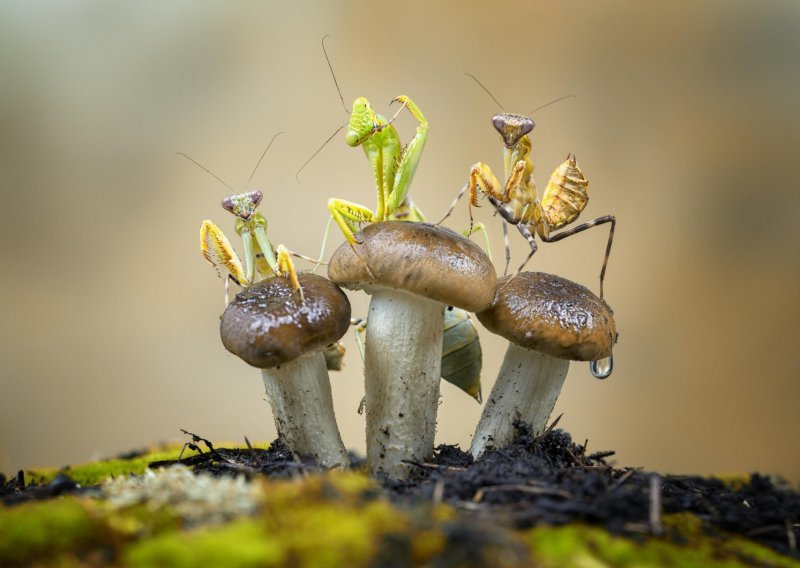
pixel 423 259
pixel 551 315
pixel 268 325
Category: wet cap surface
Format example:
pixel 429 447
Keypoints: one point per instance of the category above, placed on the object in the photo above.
pixel 268 325
pixel 421 258
pixel 552 315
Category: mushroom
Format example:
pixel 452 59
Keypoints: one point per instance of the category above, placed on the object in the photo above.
pixel 272 328
pixel 413 271
pixel 548 321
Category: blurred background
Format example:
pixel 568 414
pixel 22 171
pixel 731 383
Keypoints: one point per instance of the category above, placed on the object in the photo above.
pixel 685 120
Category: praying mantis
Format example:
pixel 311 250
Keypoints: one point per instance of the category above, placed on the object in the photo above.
pixel 517 200
pixel 393 166
pixel 251 226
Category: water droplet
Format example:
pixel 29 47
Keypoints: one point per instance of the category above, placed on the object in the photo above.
pixel 602 368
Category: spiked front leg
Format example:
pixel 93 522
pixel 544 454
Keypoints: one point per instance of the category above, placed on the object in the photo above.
pixel 286 268
pixel 217 250
pixel 347 215
pixel 409 156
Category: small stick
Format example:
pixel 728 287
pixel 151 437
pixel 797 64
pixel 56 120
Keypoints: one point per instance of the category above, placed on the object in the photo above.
pixel 438 492
pixel 601 455
pixel 521 488
pixel 552 426
pixel 655 505
pixel 426 465
pixel 625 477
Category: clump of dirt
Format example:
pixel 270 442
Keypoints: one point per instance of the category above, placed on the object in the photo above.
pixel 537 480
pixel 552 480
pixel 15 490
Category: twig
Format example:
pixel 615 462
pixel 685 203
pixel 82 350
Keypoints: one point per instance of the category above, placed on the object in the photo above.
pixel 601 455
pixel 655 505
pixel 625 477
pixel 552 426
pixel 479 494
pixel 208 444
pixel 438 492
pixel 426 465
pixel 191 460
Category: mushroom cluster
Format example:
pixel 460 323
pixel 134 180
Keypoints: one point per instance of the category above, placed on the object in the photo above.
pixel 413 272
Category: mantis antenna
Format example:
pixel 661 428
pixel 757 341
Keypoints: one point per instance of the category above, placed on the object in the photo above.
pixel 297 175
pixel 552 102
pixel 488 92
pixel 264 153
pixel 216 177
pixel 205 169
pixel 335 82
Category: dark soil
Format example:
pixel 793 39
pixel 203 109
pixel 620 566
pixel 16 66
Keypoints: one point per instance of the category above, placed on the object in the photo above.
pixel 537 480
pixel 15 490
pixel 552 480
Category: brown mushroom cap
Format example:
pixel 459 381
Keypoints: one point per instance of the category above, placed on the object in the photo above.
pixel 420 258
pixel 551 315
pixel 268 325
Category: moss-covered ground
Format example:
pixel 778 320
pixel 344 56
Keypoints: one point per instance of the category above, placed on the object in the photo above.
pixel 332 519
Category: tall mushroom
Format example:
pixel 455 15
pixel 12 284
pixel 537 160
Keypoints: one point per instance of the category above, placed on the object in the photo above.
pixel 270 327
pixel 413 271
pixel 548 321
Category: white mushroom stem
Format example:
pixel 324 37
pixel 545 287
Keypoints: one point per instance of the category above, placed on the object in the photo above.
pixel 300 395
pixel 526 389
pixel 401 379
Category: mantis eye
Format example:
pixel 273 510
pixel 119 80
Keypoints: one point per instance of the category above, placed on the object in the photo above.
pixel 499 122
pixel 227 204
pixel 526 126
pixel 256 196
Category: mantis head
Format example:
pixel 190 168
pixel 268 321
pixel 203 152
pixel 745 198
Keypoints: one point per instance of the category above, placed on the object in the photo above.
pixel 512 127
pixel 363 122
pixel 243 205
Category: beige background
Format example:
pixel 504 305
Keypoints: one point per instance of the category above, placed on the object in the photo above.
pixel 686 121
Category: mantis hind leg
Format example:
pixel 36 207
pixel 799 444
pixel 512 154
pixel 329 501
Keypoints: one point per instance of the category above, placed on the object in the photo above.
pixel 506 247
pixel 526 233
pixel 476 228
pixel 588 225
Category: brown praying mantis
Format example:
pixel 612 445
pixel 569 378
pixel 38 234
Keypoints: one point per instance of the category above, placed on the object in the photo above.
pixel 517 200
pixel 518 203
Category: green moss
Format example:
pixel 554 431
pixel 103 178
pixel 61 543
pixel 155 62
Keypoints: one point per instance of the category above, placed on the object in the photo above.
pixel 96 472
pixel 587 547
pixel 335 519
pixel 322 521
pixel 239 544
pixel 343 507
pixel 45 529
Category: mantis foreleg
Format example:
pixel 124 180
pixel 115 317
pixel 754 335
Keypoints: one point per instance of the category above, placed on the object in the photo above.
pixel 347 215
pixel 217 250
pixel 409 156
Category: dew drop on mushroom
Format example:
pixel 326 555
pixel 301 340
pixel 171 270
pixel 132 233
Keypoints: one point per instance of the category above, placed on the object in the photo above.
pixel 602 368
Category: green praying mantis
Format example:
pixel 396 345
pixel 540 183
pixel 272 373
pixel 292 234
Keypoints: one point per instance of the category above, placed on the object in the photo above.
pixel 394 165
